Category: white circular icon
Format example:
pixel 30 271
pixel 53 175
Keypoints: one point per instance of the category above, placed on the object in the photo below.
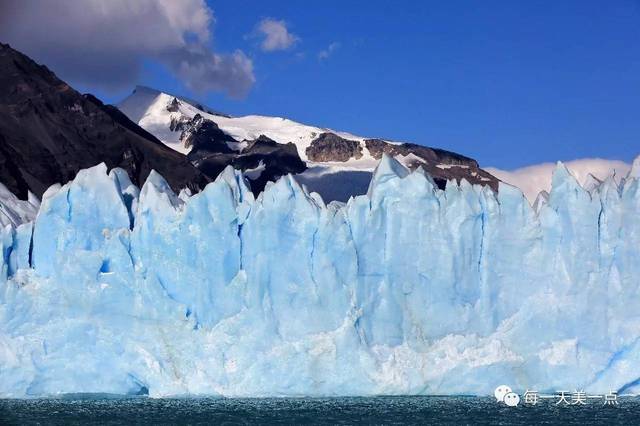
pixel 512 399
pixel 501 391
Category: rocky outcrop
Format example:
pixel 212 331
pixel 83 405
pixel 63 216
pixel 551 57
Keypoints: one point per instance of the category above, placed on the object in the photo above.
pixel 212 150
pixel 264 159
pixel 329 147
pixel 442 165
pixel 49 131
pixel 203 136
pixel 377 147
pixel 174 106
pixel 337 164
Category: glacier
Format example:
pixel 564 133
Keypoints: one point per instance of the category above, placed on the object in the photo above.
pixel 14 211
pixel 405 290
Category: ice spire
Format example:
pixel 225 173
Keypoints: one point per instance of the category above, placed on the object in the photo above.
pixel 635 169
pixel 388 168
pixel 237 182
pixel 541 200
pixel 591 183
pixel 156 194
pixel 563 177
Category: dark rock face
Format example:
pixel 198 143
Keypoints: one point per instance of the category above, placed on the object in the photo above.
pixel 440 164
pixel 203 136
pixel 274 159
pixel 377 147
pixel 174 105
pixel 329 147
pixel 48 132
pixel 210 153
pixel 473 175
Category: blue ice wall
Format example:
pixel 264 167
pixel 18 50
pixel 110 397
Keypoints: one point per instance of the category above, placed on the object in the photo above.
pixel 406 290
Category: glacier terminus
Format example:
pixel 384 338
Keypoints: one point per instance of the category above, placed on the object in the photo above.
pixel 408 289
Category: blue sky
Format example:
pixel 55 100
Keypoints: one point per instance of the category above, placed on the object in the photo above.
pixel 508 83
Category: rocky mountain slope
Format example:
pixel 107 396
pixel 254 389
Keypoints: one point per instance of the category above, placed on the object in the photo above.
pixel 49 131
pixel 335 164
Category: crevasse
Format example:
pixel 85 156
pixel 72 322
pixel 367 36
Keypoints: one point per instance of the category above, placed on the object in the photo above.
pixel 408 289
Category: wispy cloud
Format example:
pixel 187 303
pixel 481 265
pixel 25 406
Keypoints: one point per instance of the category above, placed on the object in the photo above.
pixel 105 43
pixel 533 179
pixel 276 35
pixel 326 53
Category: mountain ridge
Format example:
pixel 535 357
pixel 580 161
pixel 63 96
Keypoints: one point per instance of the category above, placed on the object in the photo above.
pixel 344 158
pixel 49 131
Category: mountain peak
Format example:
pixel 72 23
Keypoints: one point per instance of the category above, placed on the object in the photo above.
pixel 146 89
pixel 144 95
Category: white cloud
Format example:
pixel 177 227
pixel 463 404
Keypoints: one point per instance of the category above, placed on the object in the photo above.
pixel 105 43
pixel 276 35
pixel 324 54
pixel 533 179
pixel 202 70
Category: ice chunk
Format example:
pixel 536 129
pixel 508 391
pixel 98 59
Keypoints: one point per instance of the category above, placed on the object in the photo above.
pixel 77 218
pixel 14 211
pixel 541 200
pixel 591 183
pixel 388 169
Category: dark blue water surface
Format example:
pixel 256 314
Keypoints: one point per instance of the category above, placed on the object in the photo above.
pixel 377 410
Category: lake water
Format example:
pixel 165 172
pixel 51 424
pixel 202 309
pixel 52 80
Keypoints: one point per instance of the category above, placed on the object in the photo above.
pixel 321 411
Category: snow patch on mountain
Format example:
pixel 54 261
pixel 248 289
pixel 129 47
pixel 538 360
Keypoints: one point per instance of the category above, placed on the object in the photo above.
pixel 330 158
pixel 153 111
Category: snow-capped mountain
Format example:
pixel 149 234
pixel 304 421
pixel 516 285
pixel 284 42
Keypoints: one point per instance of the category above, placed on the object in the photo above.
pixel 335 164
